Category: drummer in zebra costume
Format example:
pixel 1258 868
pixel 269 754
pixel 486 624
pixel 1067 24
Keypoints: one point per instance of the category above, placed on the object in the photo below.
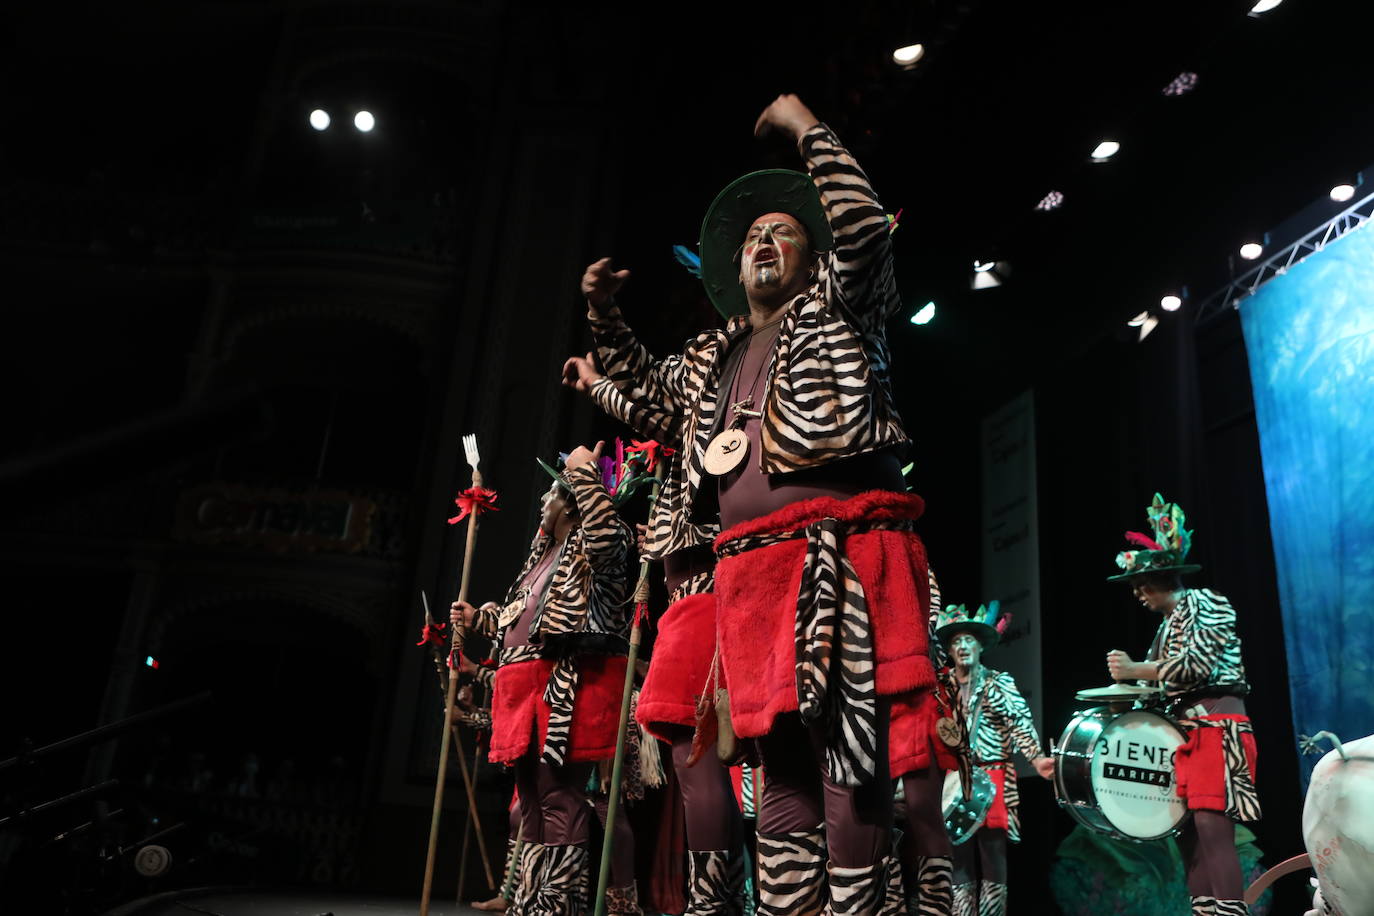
pixel 1196 659
pixel 999 722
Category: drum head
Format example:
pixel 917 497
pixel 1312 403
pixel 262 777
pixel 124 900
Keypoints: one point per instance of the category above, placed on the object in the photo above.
pixel 1116 693
pixel 1133 774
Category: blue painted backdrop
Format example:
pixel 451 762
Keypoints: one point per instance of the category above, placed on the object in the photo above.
pixel 1310 339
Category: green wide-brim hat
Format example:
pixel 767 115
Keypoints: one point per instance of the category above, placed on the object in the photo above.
pixel 985 634
pixel 734 211
pixel 1182 569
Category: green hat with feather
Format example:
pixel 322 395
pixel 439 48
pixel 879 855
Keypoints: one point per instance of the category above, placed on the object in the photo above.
pixel 1165 552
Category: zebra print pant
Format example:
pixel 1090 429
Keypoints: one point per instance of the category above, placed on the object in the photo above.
pixel 715 883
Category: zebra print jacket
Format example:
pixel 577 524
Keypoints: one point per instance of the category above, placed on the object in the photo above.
pixel 653 421
pixel 828 394
pixel 1196 646
pixel 1000 723
pixel 587 605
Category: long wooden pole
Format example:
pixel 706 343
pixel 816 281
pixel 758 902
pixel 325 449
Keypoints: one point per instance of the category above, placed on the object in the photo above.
pixel 613 802
pixel 472 824
pixel 455 646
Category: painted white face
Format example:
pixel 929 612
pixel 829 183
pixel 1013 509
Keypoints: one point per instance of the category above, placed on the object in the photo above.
pixel 966 650
pixel 775 255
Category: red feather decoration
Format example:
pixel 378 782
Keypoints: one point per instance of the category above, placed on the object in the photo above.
pixel 474 501
pixel 1140 540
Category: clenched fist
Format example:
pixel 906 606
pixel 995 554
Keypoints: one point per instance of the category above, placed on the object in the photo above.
pixel 787 115
pixel 600 283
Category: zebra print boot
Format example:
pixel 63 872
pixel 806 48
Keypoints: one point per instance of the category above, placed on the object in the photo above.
pixel 859 891
pixel 963 900
pixel 562 883
pixel 895 901
pixel 1204 906
pixel 992 899
pixel 715 883
pixel 792 873
pixel 1231 908
pixel 527 878
pixel 623 901
pixel 933 894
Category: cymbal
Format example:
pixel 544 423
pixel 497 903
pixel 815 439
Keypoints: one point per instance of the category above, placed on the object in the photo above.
pixel 1115 693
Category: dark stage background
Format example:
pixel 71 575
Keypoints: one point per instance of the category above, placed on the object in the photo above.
pixel 241 355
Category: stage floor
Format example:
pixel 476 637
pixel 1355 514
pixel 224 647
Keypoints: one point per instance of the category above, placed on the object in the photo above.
pixel 282 903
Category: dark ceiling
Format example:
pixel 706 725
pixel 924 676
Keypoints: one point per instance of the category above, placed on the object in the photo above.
pixel 1008 102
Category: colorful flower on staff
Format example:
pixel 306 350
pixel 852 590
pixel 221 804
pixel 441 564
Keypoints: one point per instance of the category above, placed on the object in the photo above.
pixel 474 501
pixel 433 634
pixel 651 452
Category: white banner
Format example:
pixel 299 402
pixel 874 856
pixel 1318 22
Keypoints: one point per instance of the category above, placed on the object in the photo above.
pixel 1011 547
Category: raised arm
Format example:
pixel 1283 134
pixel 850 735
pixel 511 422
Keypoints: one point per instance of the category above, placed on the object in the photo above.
pixel 647 419
pixel 605 537
pixel 860 264
pixel 671 382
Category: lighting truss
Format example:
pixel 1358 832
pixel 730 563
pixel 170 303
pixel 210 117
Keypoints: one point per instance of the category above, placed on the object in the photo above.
pixel 1245 285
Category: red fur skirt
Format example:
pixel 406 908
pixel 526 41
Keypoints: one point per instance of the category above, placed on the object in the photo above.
pixel 997 813
pixel 756 604
pixel 911 735
pixel 678 671
pixel 1200 772
pixel 519 714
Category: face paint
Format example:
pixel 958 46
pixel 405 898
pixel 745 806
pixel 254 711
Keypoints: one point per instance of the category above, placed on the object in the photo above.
pixel 965 649
pixel 774 252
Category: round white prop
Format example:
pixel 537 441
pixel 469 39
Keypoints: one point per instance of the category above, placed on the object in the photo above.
pixel 1114 773
pixel 1338 827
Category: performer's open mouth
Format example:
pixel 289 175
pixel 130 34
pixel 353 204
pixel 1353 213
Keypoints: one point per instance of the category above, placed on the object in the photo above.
pixel 765 255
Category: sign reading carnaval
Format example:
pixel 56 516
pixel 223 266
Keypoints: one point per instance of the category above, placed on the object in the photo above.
pixel 274 519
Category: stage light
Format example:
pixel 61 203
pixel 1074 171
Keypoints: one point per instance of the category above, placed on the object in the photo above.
pixel 1148 325
pixel 1183 83
pixel 1264 6
pixel 909 55
pixel 924 314
pixel 1171 303
pixel 150 662
pixel 1342 192
pixel 1251 250
pixel 1138 320
pixel 1051 201
pixel 1105 150
pixel 319 119
pixel 987 274
pixel 364 121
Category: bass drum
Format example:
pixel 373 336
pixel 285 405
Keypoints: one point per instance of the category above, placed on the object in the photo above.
pixel 963 816
pixel 1114 773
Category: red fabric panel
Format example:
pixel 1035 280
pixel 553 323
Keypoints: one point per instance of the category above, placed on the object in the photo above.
pixel 911 736
pixel 518 710
pixel 756 595
pixel 680 665
pixel 997 814
pixel 1200 765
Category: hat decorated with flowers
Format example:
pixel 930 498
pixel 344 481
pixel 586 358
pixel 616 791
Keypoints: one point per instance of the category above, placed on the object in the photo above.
pixel 987 624
pixel 622 475
pixel 1165 552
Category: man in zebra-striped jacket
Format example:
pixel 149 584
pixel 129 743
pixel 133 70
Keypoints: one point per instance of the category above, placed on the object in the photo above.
pixel 999 723
pixel 1196 659
pixel 561 639
pixel 818 558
